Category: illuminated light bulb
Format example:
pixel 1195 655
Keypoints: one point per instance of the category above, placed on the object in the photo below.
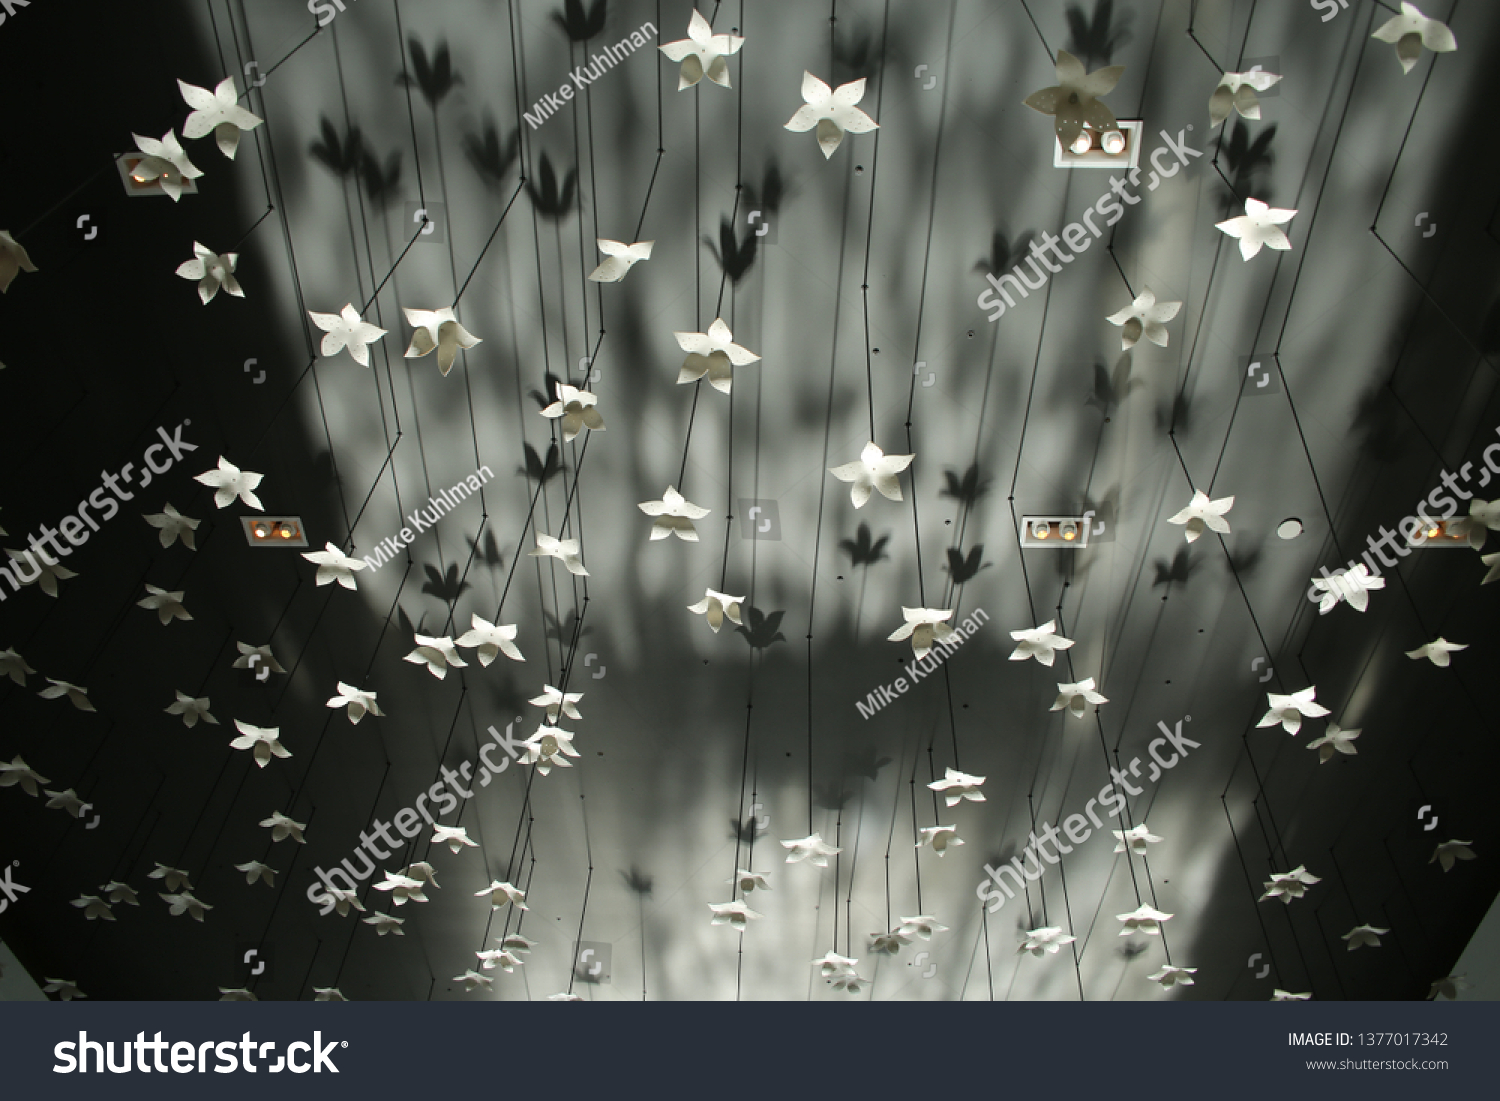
pixel 1113 143
pixel 1082 143
pixel 1041 529
pixel 1069 532
pixel 261 531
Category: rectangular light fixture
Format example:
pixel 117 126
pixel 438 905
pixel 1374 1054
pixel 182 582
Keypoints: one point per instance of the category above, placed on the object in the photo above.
pixel 1060 532
pixel 274 531
pixel 1441 534
pixel 135 188
pixel 1096 157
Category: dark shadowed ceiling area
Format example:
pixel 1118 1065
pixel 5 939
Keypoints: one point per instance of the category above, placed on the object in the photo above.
pixel 1334 383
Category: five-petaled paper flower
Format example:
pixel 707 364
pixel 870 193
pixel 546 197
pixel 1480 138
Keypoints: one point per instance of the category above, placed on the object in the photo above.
pixel 1334 740
pixel 557 702
pixel 1142 919
pixel 1044 941
pixel 1173 976
pixel 173 525
pixel 1145 317
pixel 924 626
pixel 550 745
pixel 1202 512
pixel 212 271
pixel 888 944
pixel 733 914
pixel 748 881
pixel 1077 697
pixel 1352 585
pixel 345 329
pixel 502 958
pixel 1236 92
pixel 941 838
pixel 1364 936
pixel 1074 100
pixel 14 666
pixel 702 53
pixel 437 654
pixel 68 800
pixel 439 330
pixel 619 258
pixel 94 908
pixel 185 903
pixel 57 689
pixel 713 353
pixel 956 785
pixel 673 515
pixel 502 893
pixel 811 848
pixel 334 565
pixel 229 482
pixel 472 980
pixel 1288 710
pixel 716 606
pixel 357 701
pixel 13 260
pixel 168 606
pixel 873 470
pixel 455 837
pixel 1260 225
pixel 262 740
pixel 165 162
pixel 1410 31
pixel 403 889
pixel 1041 643
pixel 1289 885
pixel 1437 651
pixel 282 827
pixel 578 410
pixel 565 551
pixel 174 879
pixel 490 640
pixel 256 871
pixel 218 112
pixel 263 653
pixel 65 989
pixel 386 923
pixel 923 925
pixel 831 964
pixel 1450 851
pixel 832 111
pixel 19 772
pixel 48 571
pixel 1135 839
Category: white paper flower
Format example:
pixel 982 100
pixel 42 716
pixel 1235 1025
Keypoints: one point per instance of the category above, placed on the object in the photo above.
pixel 849 982
pixel 811 848
pixel 830 964
pixel 557 702
pixel 734 914
pixel 1236 92
pixel 1200 513
pixel 1364 936
pixel 923 925
pixel 1289 885
pixel 173 879
pixel 1493 562
pixel 713 353
pixel 1448 987
pixel 1260 225
pixel 673 515
pixel 956 785
pixel 472 980
pixel 1135 839
pixel 385 923
pixel 218 112
pixel 263 741
pixel 255 872
pixel 191 710
pixel 120 892
pixel 702 53
pixel 1143 919
pixel 564 550
pixel 924 626
pixel 1450 851
pixel 1288 710
pixel 1334 740
pixel 1410 31
pixel 403 889
pixel 282 827
pixel 437 330
pixel 1437 651
pixel 345 329
pixel 1483 518
pixel 343 900
pixel 1048 940
pixel 165 162
pixel 501 894
pixel 1170 976
pixel 229 481
pixel 356 700
pixel 490 640
pixel 873 470
pixel 57 689
pixel 173 525
pixel 437 654
pixel 888 944
pixel 212 272
pixel 334 565
pixel 267 660
pixel 516 943
pixel 68 800
pixel 577 409
pixel 619 258
pixel 1041 643
pixel 550 745
pixel 501 958
pixel 185 903
pixel 13 260
pixel 167 606
pixel 65 989
pixel 48 571
pixel 832 111
pixel 237 994
pixel 1077 697
pixel 941 838
pixel 716 606
pixel 14 666
pixel 455 837
pixel 1074 101
pixel 94 908
pixel 1145 317
pixel 328 994
pixel 18 772
pixel 1353 585
pixel 748 881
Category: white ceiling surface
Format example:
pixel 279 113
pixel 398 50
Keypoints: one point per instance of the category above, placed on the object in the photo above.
pixel 672 730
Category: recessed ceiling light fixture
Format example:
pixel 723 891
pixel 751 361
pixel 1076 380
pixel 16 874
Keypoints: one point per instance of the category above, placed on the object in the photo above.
pixel 1118 147
pixel 1438 534
pixel 1054 531
pixel 274 531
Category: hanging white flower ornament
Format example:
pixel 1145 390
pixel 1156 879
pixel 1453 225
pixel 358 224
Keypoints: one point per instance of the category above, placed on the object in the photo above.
pixel 165 162
pixel 1364 936
pixel 13 260
pixel 619 258
pixel 490 640
pixel 334 565
pixel 1236 92
pixel 578 410
pixel 1436 651
pixel 437 330
pixel 1259 226
pixel 1170 976
pixel 455 837
pixel 438 654
pixel 714 354
pixel 1041 643
pixel 702 53
pixel 734 914
pixel 565 551
pixel 229 481
pixel 832 111
pixel 1352 585
pixel 1144 317
pixel 673 515
pixel 1143 919
pixel 1048 940
pixel 924 626
pixel 811 848
pixel 717 607
pixel 345 329
pixel 1135 839
pixel 1289 885
pixel 1289 710
pixel 1077 697
pixel 1334 740
pixel 873 470
pixel 1202 512
pixel 217 112
pixel 956 786
pixel 1410 31
pixel 263 741
pixel 190 709
pixel 941 838
pixel 557 702
pixel 357 701
pixel 549 746
pixel 172 525
pixel 212 271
